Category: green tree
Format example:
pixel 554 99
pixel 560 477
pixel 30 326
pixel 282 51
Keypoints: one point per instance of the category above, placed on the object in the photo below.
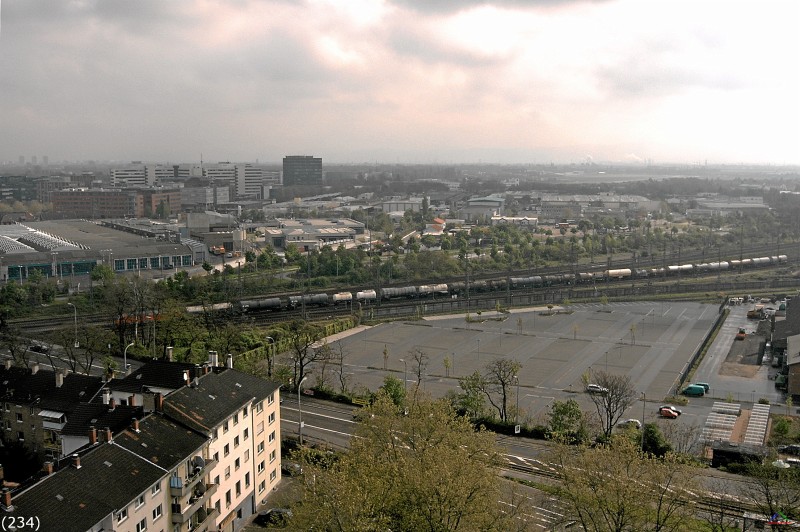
pixel 567 423
pixel 426 470
pixel 394 389
pixel 618 396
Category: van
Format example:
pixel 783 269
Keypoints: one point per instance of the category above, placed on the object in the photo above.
pixel 693 390
pixel 705 386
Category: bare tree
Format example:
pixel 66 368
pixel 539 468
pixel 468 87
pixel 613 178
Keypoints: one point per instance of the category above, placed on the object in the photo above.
pixel 16 344
pixel 773 490
pixel 617 396
pixel 420 365
pixel 338 354
pixel 683 437
pixel 496 383
pixel 716 515
pixel 302 336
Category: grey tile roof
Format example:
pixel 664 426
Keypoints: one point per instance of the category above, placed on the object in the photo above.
pixel 99 416
pixel 21 386
pixel 109 478
pixel 155 374
pixel 161 441
pixel 215 397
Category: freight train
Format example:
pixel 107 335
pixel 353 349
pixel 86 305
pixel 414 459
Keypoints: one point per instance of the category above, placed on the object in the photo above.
pixel 370 296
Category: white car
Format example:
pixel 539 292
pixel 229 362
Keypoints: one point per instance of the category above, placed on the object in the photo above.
pixel 596 388
pixel 630 423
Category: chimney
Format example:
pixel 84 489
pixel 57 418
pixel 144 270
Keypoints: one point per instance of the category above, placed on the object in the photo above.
pixel 135 425
pixel 132 400
pixel 92 435
pixel 8 363
pixel 76 461
pixel 169 353
pixel 230 361
pixel 112 405
pixel 213 359
pixel 7 498
pixel 48 468
pixel 2 474
pixel 186 378
pixel 59 379
pixel 206 368
pixel 107 436
pixel 35 368
pixel 159 401
pixel 106 396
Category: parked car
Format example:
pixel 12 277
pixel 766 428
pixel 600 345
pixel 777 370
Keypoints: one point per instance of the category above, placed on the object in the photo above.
pixel 596 388
pixel 694 390
pixel 630 423
pixel 674 409
pixel 792 449
pixel 668 413
pixel 36 348
pixel 291 469
pixel 705 386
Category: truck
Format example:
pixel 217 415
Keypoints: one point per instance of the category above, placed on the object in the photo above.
pixel 756 313
pixel 742 334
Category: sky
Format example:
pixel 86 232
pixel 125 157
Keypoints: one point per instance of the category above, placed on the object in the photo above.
pixel 401 81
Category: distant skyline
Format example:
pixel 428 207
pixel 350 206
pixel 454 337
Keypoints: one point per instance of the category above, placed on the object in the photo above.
pixel 401 81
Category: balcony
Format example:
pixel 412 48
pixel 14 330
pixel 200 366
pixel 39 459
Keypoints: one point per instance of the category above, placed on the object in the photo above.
pixel 180 487
pixel 206 524
pixel 53 425
pixel 181 513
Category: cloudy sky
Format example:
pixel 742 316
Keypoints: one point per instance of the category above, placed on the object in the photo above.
pixel 447 81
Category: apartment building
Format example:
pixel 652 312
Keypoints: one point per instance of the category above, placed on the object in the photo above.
pixel 36 404
pixel 202 460
pixel 240 414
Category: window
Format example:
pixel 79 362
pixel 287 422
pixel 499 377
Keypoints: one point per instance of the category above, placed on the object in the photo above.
pixel 155 489
pixel 157 511
pixel 227 450
pixel 21 436
pixel 235 419
pixel 228 498
pixel 272 436
pixel 236 442
pixel 216 457
pixel 271 418
pixel 8 407
pixel 244 412
pixel 217 505
pixel 271 398
pixel 216 480
pixel 246 433
pixel 261 466
pixel 238 488
pixel 215 434
pixel 273 475
pixel 122 515
pixel 227 472
pixel 139 501
pixel 262 486
pixel 236 465
pixel 260 448
pixel 272 456
pixel 19 417
pixel 141 526
pixel 259 407
pixel 247 480
pixel 246 455
pixel 225 427
pixel 260 427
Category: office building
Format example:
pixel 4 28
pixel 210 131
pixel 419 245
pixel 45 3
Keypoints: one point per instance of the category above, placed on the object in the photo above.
pixel 302 170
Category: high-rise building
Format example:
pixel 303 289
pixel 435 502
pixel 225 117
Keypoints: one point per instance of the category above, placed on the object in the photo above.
pixel 302 170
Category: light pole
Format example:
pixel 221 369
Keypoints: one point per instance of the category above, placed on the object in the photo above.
pixel 74 308
pixel 644 405
pixel 125 358
pixel 270 355
pixel 300 411
pixel 516 415
pixel 405 373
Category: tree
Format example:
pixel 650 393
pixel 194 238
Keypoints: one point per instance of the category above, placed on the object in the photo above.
pixel 617 488
pixel 566 422
pixel 499 377
pixel 610 405
pixel 420 365
pixel 471 399
pixel 301 337
pixel 773 489
pixel 394 389
pixel 425 470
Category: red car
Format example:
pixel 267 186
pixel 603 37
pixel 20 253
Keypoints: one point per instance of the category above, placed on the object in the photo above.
pixel 668 413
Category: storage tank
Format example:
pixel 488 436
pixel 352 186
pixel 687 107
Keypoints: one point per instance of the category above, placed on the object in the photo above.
pixel 341 297
pixel 366 295
pixel 621 273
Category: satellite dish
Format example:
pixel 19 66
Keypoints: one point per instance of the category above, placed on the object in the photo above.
pixel 198 462
pixel 200 489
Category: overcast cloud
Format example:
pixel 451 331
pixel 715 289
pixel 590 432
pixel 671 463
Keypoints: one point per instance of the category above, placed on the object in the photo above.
pixel 401 80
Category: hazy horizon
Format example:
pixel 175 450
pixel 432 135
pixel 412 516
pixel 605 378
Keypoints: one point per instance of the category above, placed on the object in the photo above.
pixel 402 81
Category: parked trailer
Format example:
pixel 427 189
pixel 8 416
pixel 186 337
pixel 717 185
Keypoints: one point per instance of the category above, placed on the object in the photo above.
pixel 272 303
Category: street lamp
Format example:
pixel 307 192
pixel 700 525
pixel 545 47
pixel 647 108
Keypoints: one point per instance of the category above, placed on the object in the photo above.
pixel 644 405
pixel 516 415
pixel 270 355
pixel 405 373
pixel 125 358
pixel 300 411
pixel 74 308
